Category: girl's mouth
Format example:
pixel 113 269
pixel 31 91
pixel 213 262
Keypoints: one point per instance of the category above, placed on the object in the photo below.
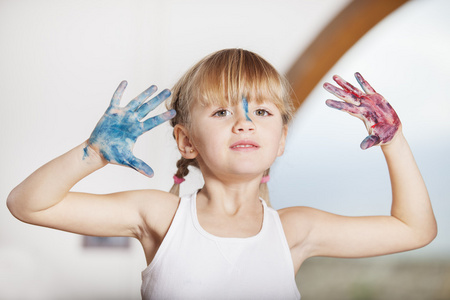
pixel 244 145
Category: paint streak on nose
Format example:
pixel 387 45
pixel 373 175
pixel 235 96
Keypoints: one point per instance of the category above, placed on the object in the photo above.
pixel 245 105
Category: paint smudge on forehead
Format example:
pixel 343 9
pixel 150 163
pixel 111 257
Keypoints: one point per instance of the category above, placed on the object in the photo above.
pixel 223 78
pixel 245 105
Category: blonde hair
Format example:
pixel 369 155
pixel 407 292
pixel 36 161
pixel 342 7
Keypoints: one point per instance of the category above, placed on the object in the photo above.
pixel 223 78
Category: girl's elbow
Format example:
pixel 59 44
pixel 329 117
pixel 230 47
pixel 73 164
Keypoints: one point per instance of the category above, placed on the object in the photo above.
pixel 432 233
pixel 11 204
pixel 428 235
pixel 14 207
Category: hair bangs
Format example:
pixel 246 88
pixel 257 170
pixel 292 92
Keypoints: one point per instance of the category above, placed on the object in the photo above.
pixel 225 80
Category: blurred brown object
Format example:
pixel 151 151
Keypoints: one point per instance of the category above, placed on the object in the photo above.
pixel 355 20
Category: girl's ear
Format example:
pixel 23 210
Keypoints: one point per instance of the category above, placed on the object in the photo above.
pixel 282 140
pixel 184 144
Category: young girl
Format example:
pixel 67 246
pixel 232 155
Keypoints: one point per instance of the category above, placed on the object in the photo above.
pixel 230 114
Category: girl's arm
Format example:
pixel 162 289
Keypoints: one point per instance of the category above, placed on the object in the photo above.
pixel 44 198
pixel 411 224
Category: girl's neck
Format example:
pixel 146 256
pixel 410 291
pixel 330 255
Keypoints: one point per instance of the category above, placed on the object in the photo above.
pixel 229 198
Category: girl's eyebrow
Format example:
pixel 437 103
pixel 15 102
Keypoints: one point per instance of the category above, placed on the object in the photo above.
pixel 245 105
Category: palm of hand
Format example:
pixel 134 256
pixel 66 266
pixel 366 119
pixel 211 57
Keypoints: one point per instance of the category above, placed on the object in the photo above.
pixel 381 120
pixel 116 133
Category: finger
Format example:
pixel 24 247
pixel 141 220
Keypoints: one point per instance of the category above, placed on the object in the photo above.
pixel 364 84
pixel 371 140
pixel 115 100
pixel 136 102
pixel 152 104
pixel 348 107
pixel 347 86
pixel 341 94
pixel 159 119
pixel 140 166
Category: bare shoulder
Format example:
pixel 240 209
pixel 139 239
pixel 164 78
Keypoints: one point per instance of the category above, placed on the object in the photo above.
pixel 157 209
pixel 297 222
pixel 297 214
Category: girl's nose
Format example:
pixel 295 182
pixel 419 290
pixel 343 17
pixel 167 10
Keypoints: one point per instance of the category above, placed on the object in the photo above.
pixel 243 124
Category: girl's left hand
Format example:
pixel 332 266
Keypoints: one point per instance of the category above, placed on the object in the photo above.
pixel 117 131
pixel 382 122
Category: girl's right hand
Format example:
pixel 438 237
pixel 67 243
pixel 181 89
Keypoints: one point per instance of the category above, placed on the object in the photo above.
pixel 381 120
pixel 117 131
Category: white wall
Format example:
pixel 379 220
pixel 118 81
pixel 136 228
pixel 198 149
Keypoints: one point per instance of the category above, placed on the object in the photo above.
pixel 60 62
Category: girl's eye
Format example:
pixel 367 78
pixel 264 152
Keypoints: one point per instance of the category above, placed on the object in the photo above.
pixel 261 113
pixel 221 113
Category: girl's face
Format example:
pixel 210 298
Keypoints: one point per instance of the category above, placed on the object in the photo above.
pixel 229 142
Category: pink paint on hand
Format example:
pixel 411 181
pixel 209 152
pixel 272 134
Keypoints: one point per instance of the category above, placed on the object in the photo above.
pixel 380 118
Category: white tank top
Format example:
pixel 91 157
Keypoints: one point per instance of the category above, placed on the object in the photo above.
pixel 194 264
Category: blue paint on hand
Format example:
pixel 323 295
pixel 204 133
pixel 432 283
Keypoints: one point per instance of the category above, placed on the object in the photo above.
pixel 117 131
pixel 245 105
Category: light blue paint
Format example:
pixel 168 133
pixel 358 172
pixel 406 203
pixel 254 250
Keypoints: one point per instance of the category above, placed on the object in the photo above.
pixel 118 129
pixel 245 105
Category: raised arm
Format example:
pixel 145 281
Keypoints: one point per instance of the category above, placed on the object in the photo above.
pixel 411 223
pixel 44 198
